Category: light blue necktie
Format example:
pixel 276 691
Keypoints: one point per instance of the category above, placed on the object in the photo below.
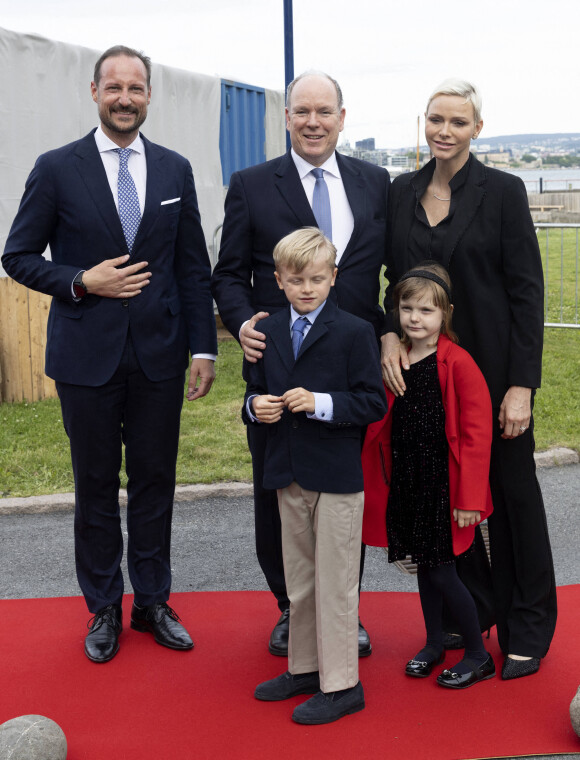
pixel 298 333
pixel 129 211
pixel 321 203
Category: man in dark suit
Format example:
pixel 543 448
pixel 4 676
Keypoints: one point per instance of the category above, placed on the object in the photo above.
pixel 266 202
pixel 129 278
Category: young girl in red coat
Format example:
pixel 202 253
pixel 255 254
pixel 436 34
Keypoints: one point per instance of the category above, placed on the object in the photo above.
pixel 426 469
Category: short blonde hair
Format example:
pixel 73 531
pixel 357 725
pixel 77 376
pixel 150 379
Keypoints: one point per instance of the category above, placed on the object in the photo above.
pixel 463 89
pixel 411 286
pixel 299 249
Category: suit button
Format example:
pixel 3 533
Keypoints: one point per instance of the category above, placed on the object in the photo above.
pixel 295 424
pixel 125 302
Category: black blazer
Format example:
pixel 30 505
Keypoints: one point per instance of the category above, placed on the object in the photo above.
pixel 266 202
pixel 338 356
pixel 68 205
pixel 493 259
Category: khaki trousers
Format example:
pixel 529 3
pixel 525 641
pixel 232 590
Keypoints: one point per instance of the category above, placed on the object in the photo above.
pixel 321 545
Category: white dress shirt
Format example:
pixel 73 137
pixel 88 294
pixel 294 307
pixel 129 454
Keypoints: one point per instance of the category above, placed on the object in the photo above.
pixel 342 218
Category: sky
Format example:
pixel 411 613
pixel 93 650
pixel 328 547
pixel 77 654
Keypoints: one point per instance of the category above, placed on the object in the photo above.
pixel 387 56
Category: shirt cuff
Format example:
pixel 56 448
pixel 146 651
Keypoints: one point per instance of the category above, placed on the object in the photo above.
pixel 249 409
pixel 323 408
pixel 211 357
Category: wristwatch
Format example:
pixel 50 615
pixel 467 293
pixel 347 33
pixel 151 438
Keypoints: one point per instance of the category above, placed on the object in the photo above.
pixel 79 288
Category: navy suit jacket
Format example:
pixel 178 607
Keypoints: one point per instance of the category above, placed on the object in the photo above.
pixel 266 202
pixel 338 356
pixel 68 205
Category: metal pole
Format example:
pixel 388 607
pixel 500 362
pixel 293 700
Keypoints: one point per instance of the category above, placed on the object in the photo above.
pixel 288 51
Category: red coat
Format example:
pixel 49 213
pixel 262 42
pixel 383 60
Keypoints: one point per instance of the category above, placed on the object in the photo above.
pixel 468 428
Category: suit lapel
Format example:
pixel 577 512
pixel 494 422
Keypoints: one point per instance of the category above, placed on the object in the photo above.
pixel 289 185
pixel 90 167
pixel 473 195
pixel 154 157
pixel 280 338
pixel 319 328
pixel 356 193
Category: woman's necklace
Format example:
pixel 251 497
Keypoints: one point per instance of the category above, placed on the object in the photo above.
pixel 438 197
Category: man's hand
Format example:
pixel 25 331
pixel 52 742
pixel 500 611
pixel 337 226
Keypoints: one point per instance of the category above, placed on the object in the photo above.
pixel 465 517
pixel 515 411
pixel 393 356
pixel 201 377
pixel 267 408
pixel 299 400
pixel 110 282
pixel 251 340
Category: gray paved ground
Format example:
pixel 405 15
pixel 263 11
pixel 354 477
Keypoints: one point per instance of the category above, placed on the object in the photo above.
pixel 213 547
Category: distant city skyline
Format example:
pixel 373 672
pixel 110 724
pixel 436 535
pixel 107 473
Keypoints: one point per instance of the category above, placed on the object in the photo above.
pixel 387 57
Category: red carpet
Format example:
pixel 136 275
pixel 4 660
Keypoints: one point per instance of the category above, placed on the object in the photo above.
pixel 151 703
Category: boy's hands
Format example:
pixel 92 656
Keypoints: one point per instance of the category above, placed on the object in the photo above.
pixel 465 517
pixel 299 400
pixel 268 408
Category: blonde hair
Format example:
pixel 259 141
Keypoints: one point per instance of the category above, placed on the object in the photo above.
pixel 462 88
pixel 299 249
pixel 419 286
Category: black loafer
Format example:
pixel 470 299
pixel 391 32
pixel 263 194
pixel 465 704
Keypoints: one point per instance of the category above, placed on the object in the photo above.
pixel 278 643
pixel 462 681
pixel 286 686
pixel 364 641
pixel 102 640
pixel 326 708
pixel 423 668
pixel 519 668
pixel 163 622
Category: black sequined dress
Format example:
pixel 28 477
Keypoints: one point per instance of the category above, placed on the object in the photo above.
pixel 418 512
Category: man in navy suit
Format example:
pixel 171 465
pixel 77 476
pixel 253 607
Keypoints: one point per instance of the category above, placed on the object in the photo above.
pixel 266 202
pixel 129 277
pixel 314 393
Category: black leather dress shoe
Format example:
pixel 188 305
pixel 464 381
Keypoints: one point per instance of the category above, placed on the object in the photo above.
pixel 519 668
pixel 278 643
pixel 423 668
pixel 364 641
pixel 326 708
pixel 102 640
pixel 286 686
pixel 163 622
pixel 462 681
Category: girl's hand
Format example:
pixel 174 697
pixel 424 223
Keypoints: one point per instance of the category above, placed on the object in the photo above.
pixel 465 517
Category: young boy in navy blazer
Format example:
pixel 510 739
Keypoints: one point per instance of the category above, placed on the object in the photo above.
pixel 317 387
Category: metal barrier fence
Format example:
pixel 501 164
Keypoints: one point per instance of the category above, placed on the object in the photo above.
pixel 560 258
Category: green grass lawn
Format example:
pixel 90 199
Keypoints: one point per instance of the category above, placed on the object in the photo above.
pixel 559 247
pixel 34 455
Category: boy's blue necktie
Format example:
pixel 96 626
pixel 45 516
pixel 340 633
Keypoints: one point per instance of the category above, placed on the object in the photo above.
pixel 298 333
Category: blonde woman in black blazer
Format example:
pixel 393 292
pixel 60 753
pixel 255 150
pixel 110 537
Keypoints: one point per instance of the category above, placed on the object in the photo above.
pixel 476 222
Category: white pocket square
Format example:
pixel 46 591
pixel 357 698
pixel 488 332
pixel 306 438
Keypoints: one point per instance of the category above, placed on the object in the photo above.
pixel 172 200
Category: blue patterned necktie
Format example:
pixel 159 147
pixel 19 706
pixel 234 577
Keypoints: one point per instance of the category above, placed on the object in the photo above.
pixel 129 211
pixel 298 333
pixel 321 204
